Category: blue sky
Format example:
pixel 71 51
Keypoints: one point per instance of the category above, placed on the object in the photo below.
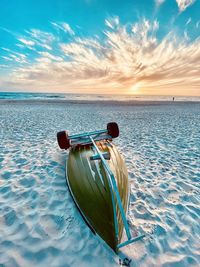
pixel 100 46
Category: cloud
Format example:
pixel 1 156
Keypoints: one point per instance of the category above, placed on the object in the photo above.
pixel 14 56
pixel 129 57
pixel 33 38
pixel 7 58
pixel 50 56
pixel 64 27
pixel 41 38
pixel 183 4
pixel 20 58
pixel 26 42
pixel 188 21
pixel 20 46
pixel 112 22
pixel 159 2
pixel 6 49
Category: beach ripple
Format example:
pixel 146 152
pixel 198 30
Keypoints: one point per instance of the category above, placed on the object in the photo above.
pixel 39 223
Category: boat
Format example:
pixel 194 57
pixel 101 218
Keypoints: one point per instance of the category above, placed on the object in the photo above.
pixel 97 178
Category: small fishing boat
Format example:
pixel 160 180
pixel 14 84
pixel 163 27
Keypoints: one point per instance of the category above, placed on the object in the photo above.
pixel 97 178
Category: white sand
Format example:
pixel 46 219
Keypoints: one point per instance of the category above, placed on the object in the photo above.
pixel 39 223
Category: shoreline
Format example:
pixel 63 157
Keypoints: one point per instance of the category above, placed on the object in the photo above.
pixel 104 102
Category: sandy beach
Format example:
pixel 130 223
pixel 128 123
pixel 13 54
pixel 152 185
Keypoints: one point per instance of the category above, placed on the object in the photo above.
pixel 39 223
pixel 122 78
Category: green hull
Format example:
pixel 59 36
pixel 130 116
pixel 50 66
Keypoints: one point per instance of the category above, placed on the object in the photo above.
pixel 88 183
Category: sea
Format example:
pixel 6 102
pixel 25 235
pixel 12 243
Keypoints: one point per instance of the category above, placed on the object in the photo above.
pixel 93 97
pixel 160 142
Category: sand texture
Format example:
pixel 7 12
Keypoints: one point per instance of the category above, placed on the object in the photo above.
pixel 39 223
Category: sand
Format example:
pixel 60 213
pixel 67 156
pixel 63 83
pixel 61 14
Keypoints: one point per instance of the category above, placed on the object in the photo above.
pixel 39 223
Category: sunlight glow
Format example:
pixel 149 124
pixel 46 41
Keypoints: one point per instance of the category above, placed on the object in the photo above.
pixel 135 88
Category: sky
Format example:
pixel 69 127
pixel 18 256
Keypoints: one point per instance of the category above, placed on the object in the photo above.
pixel 148 47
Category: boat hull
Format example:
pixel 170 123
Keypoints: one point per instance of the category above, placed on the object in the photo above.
pixel 90 188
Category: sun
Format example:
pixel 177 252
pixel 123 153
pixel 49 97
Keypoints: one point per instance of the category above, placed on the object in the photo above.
pixel 135 88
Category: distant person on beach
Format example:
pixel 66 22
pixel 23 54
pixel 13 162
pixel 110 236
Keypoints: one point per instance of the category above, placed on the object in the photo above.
pixel 173 98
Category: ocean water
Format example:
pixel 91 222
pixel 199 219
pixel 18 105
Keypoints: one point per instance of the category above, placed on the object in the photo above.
pixel 39 223
pixel 93 97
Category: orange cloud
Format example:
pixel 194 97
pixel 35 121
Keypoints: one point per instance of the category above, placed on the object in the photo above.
pixel 130 59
